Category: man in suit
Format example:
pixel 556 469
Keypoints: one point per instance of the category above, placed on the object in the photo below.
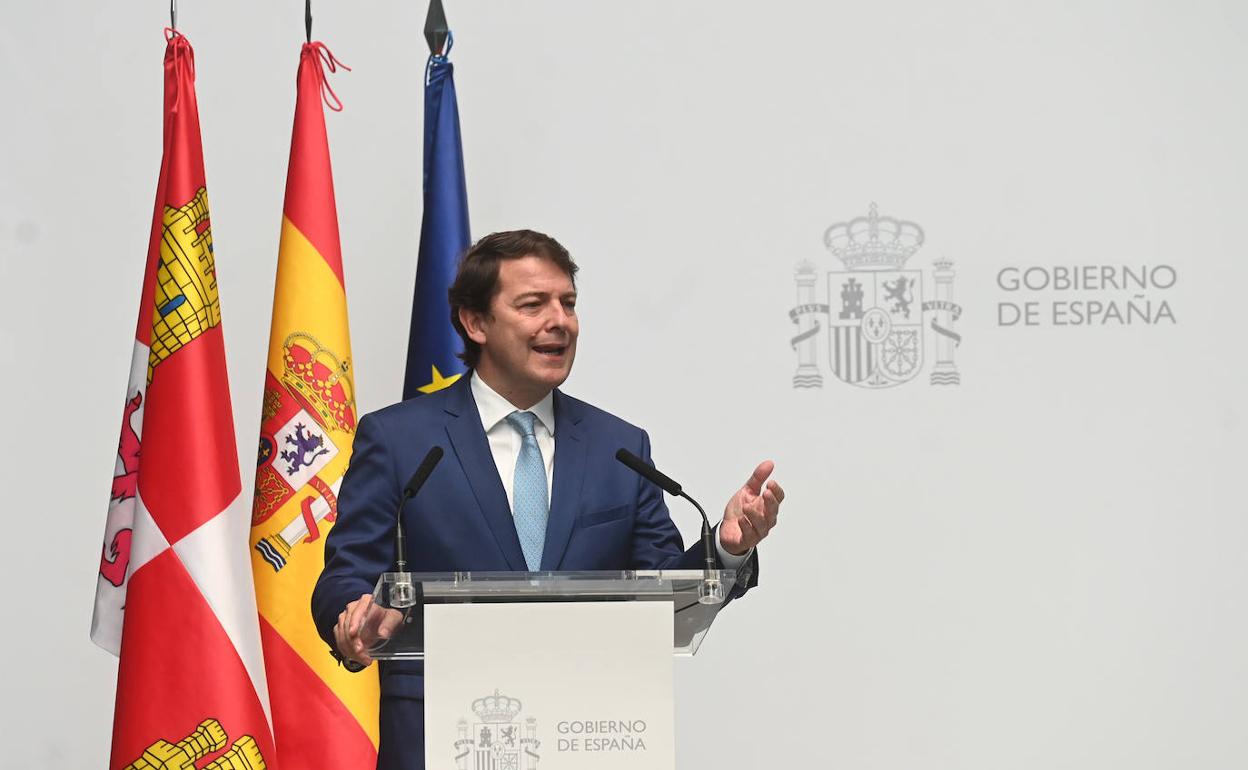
pixel 529 481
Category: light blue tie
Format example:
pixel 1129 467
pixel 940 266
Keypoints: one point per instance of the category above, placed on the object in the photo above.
pixel 531 504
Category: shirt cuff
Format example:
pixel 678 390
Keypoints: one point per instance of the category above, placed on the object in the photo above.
pixel 728 560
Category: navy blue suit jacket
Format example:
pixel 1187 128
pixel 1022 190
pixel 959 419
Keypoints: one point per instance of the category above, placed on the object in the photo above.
pixel 603 516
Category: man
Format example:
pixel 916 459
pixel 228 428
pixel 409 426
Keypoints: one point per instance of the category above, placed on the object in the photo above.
pixel 529 480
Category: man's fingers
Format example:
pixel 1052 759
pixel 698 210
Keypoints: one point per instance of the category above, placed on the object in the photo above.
pixel 750 533
pixel 378 624
pixel 758 520
pixel 775 489
pixel 350 626
pixel 759 476
pixel 391 620
pixel 349 621
pixel 340 628
pixel 340 634
pixel 771 507
pixel 346 646
pixel 357 614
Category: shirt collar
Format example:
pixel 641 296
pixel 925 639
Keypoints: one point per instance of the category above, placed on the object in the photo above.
pixel 493 408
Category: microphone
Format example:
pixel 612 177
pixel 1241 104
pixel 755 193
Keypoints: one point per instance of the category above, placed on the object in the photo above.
pixel 711 591
pixel 648 472
pixel 402 592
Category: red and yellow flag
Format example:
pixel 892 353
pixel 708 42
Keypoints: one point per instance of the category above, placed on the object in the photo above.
pixel 323 716
pixel 172 598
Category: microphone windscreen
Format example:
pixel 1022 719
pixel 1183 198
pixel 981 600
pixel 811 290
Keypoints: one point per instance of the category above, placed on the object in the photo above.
pixel 421 475
pixel 647 472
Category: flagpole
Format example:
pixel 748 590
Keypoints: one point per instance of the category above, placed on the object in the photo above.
pixel 307 18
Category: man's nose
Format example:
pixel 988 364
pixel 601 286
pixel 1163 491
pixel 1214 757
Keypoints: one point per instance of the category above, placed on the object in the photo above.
pixel 557 316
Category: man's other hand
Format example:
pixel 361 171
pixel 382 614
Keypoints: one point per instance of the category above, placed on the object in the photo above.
pixel 361 625
pixel 751 512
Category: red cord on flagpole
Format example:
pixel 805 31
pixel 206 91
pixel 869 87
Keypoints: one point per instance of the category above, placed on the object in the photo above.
pixel 325 58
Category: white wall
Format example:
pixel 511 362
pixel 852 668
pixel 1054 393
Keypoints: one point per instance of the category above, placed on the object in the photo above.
pixel 1042 567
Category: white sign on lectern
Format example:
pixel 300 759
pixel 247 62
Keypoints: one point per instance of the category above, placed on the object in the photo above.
pixel 556 686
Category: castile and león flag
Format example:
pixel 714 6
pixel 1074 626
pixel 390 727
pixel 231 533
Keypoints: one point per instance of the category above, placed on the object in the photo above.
pixel 174 597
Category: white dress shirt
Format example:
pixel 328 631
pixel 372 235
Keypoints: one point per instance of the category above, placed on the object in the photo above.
pixel 505 444
pixel 505 440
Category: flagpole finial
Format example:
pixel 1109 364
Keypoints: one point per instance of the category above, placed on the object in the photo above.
pixel 307 18
pixel 435 27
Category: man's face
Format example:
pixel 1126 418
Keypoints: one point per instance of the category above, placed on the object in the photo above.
pixel 528 339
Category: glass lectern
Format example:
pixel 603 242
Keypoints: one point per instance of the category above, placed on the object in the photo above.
pixel 396 619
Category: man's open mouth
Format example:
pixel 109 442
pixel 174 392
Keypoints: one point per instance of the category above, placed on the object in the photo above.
pixel 554 351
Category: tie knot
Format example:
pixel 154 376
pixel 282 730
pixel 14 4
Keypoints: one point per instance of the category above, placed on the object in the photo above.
pixel 523 422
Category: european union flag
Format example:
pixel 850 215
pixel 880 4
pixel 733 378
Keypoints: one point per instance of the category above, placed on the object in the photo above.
pixel 433 343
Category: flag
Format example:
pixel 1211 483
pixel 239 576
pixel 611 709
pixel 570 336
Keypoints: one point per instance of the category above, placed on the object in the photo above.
pixel 323 715
pixel 432 342
pixel 173 599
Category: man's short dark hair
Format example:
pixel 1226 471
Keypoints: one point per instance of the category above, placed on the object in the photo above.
pixel 476 281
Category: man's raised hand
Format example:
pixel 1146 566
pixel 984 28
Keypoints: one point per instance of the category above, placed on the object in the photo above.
pixel 752 512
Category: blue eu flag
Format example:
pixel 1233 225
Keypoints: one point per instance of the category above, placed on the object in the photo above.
pixel 433 343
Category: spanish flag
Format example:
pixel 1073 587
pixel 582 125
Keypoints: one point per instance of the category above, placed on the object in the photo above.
pixel 323 716
pixel 173 599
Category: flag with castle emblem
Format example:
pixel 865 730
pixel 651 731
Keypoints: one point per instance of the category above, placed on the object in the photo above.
pixel 432 342
pixel 323 715
pixel 173 599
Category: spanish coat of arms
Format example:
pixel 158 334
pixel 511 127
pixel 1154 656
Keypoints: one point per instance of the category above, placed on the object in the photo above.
pixel 496 739
pixel 876 313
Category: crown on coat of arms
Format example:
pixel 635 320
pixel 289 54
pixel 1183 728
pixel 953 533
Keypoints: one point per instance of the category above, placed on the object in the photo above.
pixel 496 708
pixel 873 242
pixel 312 372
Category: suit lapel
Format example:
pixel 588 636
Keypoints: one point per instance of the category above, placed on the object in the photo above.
pixel 565 493
pixel 473 451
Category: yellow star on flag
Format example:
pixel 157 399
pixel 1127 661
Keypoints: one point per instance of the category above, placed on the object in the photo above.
pixel 439 382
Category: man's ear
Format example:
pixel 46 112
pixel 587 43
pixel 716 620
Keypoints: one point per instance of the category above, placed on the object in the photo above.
pixel 474 324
